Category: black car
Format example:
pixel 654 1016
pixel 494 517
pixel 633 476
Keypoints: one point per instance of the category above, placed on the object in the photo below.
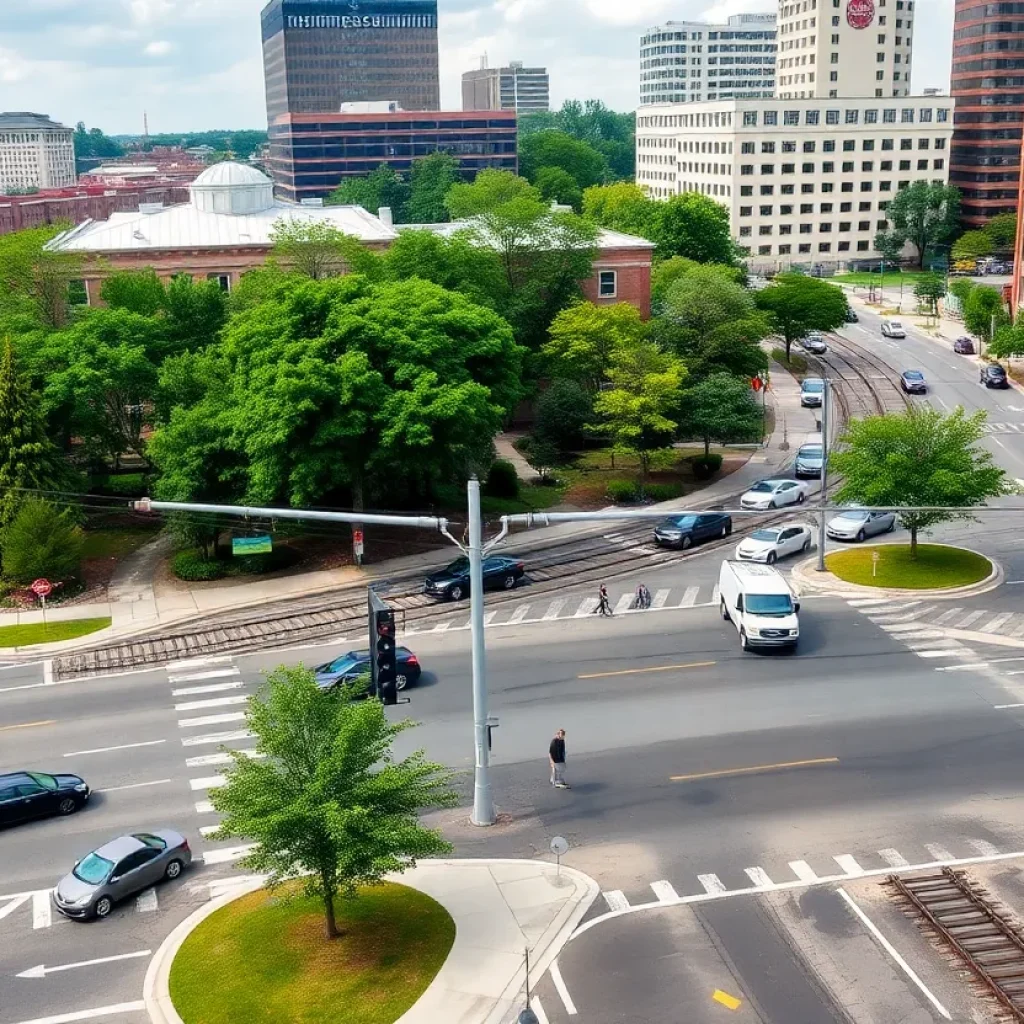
pixel 355 665
pixel 963 347
pixel 913 382
pixel 994 376
pixel 686 530
pixel 452 582
pixel 851 316
pixel 25 795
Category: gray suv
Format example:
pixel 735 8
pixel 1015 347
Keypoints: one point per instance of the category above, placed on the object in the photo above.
pixel 809 460
pixel 811 392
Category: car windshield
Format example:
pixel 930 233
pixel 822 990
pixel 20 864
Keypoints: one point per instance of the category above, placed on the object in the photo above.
pixel 46 781
pixel 346 661
pixel 93 869
pixel 914 375
pixel 813 385
pixel 996 371
pixel 682 523
pixel 811 451
pixel 770 535
pixel 765 486
pixel 854 516
pixel 896 325
pixel 459 565
pixel 769 604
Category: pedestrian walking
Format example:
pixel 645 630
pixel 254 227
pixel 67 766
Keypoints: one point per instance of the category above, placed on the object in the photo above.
pixel 643 597
pixel 603 606
pixel 556 755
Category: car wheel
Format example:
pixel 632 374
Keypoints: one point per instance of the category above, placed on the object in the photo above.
pixel 891 527
pixel 744 643
pixel 401 681
pixel 772 558
pixel 728 530
pixel 67 806
pixel 509 582
pixel 686 542
pixel 104 905
pixel 806 546
pixel 800 498
pixel 860 536
pixel 455 593
pixel 173 870
pixel 724 610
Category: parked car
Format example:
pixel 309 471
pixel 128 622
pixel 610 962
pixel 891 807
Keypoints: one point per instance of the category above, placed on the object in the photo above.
pixel 120 869
pixel 774 494
pixel 857 524
pixel 355 665
pixel 913 382
pixel 684 531
pixel 851 316
pixel 893 329
pixel 994 376
pixel 809 459
pixel 814 342
pixel 774 542
pixel 812 390
pixel 964 346
pixel 452 582
pixel 27 795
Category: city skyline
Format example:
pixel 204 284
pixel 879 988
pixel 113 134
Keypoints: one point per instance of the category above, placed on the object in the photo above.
pixel 194 66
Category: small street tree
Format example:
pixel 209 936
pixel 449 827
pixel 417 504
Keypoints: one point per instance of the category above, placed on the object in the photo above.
pixel 1008 342
pixel 983 310
pixel 925 214
pixel 330 804
pixel 920 458
pixel 796 304
pixel 721 408
pixel 1002 231
pixel 41 540
pixel 972 245
pixel 929 289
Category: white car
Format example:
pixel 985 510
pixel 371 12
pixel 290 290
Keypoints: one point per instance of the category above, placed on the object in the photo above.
pixel 893 329
pixel 774 494
pixel 858 524
pixel 774 542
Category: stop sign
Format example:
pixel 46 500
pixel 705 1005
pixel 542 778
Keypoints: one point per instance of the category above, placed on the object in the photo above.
pixel 42 588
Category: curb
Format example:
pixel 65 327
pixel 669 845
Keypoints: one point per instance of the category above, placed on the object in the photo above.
pixel 808 576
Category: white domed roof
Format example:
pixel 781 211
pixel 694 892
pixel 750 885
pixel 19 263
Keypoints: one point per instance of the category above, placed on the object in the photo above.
pixel 232 188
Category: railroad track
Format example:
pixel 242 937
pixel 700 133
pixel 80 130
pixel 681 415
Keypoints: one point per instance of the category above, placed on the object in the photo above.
pixel 865 383
pixel 988 940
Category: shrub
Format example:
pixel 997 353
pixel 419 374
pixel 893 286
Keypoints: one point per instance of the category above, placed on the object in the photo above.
pixel 502 480
pixel 562 414
pixel 663 492
pixel 622 490
pixel 193 568
pixel 124 485
pixel 41 541
pixel 706 466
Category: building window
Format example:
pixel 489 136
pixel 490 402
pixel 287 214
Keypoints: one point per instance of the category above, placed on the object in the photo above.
pixel 904 165
pixel 827 186
pixel 824 247
pixel 940 143
pixel 942 114
pixel 767 190
pixel 749 118
pixel 847 167
pixel 907 114
pixel 825 227
pixel 828 167
pixel 885 186
pixel 764 250
pixel 879 77
pixel 871 117
pixel 807 188
pixel 785 211
pixel 607 284
pixel 852 116
pixel 806 229
pixel 862 246
pixel 745 231
pixel 78 293
pixel 746 211
pixel 867 166
pixel 807 207
pixel 937 165
pixel 906 144
pixel 764 229
pixel 785 229
pixel 811 117
pixel 809 146
pixel 923 143
pixel 766 211
pixel 789 146
pixel 791 117
pixel 826 208
pixel 807 168
pixel 767 147
pixel 784 250
pixel 831 117
pixel 867 186
pixel 844 225
pixel 888 144
pixel 833 76
pixel 746 169
pixel 223 281
pixel 845 207
pixel 788 168
pixel 829 146
pixel 880 58
pixel 864 225
pixel 849 145
pixel 846 186
pixel 746 147
pixel 834 59
pixel 771 118
pixel 786 190
pixel 925 115
pixel 922 165
pixel 889 116
pixel 767 168
pixel 885 165
pixel 867 145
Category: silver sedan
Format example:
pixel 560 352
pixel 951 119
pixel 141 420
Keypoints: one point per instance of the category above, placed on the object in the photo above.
pixel 858 524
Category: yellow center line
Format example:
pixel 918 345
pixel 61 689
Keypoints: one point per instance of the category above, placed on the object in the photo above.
pixel 639 671
pixel 755 768
pixel 28 725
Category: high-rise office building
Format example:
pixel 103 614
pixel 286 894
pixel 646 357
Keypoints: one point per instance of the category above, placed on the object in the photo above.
pixel 35 153
pixel 319 54
pixel 988 89
pixel 516 87
pixel 692 61
pixel 847 48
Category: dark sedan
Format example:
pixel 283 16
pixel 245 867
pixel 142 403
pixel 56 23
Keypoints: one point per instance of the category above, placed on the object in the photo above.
pixel 355 666
pixel 994 376
pixel 26 795
pixel 685 531
pixel 913 382
pixel 452 582
pixel 963 347
pixel 851 316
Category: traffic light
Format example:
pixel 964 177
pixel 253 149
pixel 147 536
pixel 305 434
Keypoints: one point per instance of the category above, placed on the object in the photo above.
pixel 384 660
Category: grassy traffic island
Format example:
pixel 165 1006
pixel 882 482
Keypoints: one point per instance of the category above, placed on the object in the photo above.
pixel 936 566
pixel 264 959
pixel 51 632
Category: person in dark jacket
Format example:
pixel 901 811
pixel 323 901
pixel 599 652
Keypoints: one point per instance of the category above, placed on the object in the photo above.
pixel 556 755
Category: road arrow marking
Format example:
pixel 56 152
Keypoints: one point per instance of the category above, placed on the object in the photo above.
pixel 42 970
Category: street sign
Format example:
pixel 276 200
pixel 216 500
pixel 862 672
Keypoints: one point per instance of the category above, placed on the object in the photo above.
pixel 357 544
pixel 756 383
pixel 42 588
pixel 559 846
pixel 262 545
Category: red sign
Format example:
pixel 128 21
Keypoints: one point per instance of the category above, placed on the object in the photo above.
pixel 42 588
pixel 860 13
pixel 756 383
pixel 357 536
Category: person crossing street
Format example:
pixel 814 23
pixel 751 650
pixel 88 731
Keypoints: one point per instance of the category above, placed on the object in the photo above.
pixel 603 606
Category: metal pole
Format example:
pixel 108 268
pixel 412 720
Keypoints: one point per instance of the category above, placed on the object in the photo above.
pixel 826 401
pixel 483 804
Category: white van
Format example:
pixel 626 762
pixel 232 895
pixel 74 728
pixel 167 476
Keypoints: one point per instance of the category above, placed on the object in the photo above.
pixel 758 601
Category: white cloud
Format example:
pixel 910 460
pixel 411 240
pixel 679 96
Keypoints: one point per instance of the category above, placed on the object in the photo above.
pixel 159 48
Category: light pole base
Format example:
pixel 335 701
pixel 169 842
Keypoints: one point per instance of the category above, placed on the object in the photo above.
pixel 483 814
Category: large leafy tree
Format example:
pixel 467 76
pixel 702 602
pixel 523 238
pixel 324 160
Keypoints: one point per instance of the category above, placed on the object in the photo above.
pixel 621 206
pixel 329 802
pixel 695 226
pixel 917 458
pixel 488 191
pixel 925 214
pixel 583 340
pixel 430 181
pixel 972 245
pixel 195 313
pixel 796 304
pixel 41 540
pixel 381 187
pixel 721 408
pixel 705 297
pixel 138 291
pixel 559 149
pixel 1008 342
pixel 34 280
pixel 1001 231
pixel 611 133
pixel 558 186
pixel 318 250
pixel 563 411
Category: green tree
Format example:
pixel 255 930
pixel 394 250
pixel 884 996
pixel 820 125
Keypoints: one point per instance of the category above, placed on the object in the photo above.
pixel 707 297
pixel 41 541
pixel 559 149
pixel 330 803
pixel 382 187
pixel 622 206
pixel 972 245
pixel 317 250
pixel 138 291
pixel 34 280
pixel 637 409
pixel 583 340
pixel 917 458
pixel 195 313
pixel 563 411
pixel 490 190
pixel 889 245
pixel 1008 342
pixel 1001 231
pixel 984 310
pixel 695 226
pixel 929 288
pixel 611 133
pixel 430 181
pixel 558 186
pixel 796 304
pixel 925 214
pixel 664 274
pixel 721 408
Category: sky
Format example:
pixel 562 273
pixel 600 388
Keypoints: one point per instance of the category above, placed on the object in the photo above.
pixel 194 65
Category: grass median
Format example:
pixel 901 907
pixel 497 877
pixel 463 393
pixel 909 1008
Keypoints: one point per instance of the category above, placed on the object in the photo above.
pixel 264 959
pixel 51 633
pixel 935 567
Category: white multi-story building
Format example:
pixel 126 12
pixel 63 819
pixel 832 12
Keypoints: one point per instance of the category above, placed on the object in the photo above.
pixel 692 61
pixel 803 180
pixel 831 48
pixel 35 153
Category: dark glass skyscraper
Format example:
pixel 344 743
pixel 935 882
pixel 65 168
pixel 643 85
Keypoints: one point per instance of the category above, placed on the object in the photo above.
pixel 319 54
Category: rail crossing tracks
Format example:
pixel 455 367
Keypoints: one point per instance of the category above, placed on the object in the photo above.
pixel 865 386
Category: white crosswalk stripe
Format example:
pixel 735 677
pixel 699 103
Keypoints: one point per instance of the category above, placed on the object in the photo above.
pixel 893 858
pixel 195 723
pixel 758 876
pixel 228 855
pixel 195 677
pixel 993 625
pixel 209 782
pixel 711 883
pixel 985 848
pixel 690 597
pixel 190 691
pixel 616 900
pixel 802 870
pixel 586 607
pixel 665 891
pixel 938 852
pixel 623 603
pixel 146 902
pixel 553 609
pixel 216 737
pixel 660 599
pixel 848 864
pixel 519 614
pixel 213 702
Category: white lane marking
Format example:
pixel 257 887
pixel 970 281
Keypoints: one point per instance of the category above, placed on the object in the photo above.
pixel 41 971
pixel 538 1010
pixel 984 847
pixel 868 602
pixel 442 627
pixel 664 890
pixel 195 677
pixel 563 993
pixel 553 609
pixel 204 807
pixel 100 1011
pixel 134 785
pixel 660 598
pixel 711 883
pixel 146 902
pixel 15 902
pixel 41 914
pixel 190 691
pixel 891 950
pixel 48 672
pixel 208 830
pixel 191 663
pixel 215 702
pixel 227 855
pixel 689 597
pixel 952 613
pixel 938 852
pixel 963 668
pixel 848 864
pixel 217 737
pixel 586 607
pixel 615 899
pixel 107 750
pixel 715 594
pixel 623 603
pixel 893 858
pixel 219 888
pixel 803 870
pixel 489 618
pixel 192 723
pixel 209 760
pixel 994 624
pixel 759 877
pixel 952 652
pixel 210 782
pixel 968 619
pixel 519 614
